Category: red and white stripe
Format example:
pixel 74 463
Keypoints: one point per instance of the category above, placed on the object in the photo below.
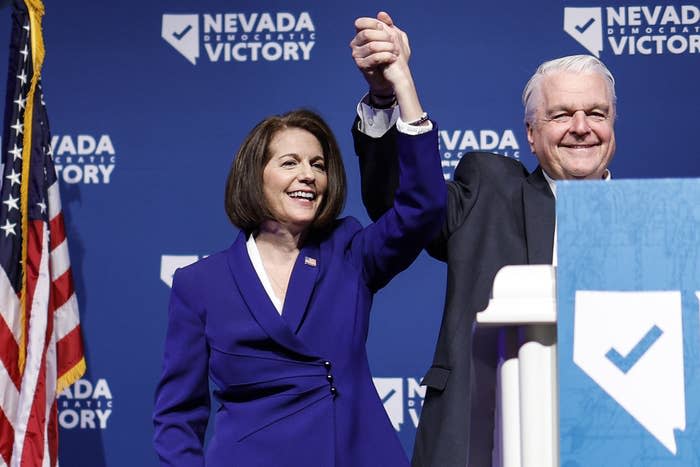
pixel 9 369
pixel 53 346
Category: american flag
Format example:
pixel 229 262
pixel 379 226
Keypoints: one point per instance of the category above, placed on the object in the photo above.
pixel 41 350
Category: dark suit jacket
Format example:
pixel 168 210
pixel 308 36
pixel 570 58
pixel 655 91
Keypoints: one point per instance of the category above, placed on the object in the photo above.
pixel 497 214
pixel 292 390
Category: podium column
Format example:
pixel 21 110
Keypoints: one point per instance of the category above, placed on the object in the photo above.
pixel 527 432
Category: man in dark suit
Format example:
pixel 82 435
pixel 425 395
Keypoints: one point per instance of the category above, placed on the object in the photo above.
pixel 497 214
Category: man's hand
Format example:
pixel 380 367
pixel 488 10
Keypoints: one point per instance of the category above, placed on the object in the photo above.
pixel 381 52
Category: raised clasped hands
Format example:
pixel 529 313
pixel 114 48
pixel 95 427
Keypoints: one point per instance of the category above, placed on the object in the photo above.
pixel 381 52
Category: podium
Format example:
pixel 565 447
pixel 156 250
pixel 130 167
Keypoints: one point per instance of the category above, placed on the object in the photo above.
pixel 524 305
pixel 600 366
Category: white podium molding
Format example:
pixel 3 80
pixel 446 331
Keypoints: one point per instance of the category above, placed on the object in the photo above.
pixel 523 304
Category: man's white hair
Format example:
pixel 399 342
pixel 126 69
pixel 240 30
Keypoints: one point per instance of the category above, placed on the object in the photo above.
pixel 571 63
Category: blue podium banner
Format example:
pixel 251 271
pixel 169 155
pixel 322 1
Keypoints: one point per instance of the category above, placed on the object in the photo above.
pixel 628 288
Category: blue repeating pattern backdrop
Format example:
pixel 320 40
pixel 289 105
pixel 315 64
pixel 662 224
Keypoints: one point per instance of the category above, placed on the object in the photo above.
pixel 148 101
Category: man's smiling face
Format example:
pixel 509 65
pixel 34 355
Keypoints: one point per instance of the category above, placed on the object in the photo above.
pixel 572 134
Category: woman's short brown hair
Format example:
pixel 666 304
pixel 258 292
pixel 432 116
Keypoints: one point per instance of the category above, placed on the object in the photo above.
pixel 244 199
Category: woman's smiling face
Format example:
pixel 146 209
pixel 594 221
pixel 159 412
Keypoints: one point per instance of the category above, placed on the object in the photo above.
pixel 295 178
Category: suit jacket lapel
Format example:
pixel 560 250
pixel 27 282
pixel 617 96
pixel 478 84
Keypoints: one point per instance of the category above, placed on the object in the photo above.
pixel 301 286
pixel 253 293
pixel 538 202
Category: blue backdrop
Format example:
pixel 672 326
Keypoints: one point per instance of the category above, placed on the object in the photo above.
pixel 148 102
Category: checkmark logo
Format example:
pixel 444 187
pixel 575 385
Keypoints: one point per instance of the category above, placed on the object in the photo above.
pixel 631 344
pixel 585 25
pixel 390 392
pixel 582 28
pixel 181 34
pixel 625 362
pixel 388 395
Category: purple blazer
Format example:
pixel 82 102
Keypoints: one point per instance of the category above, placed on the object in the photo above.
pixel 292 390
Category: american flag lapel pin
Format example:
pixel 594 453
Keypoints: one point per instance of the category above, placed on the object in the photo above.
pixel 310 261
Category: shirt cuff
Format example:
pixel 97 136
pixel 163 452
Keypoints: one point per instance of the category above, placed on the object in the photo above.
pixel 375 122
pixel 413 130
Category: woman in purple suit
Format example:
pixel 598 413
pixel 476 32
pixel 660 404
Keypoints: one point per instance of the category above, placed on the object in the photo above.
pixel 278 322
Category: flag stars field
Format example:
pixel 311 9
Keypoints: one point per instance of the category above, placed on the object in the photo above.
pixel 14 177
pixel 18 127
pixel 20 102
pixel 22 77
pixel 11 203
pixel 8 228
pixel 16 153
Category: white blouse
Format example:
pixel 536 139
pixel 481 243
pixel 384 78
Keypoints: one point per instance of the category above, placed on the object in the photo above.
pixel 255 258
